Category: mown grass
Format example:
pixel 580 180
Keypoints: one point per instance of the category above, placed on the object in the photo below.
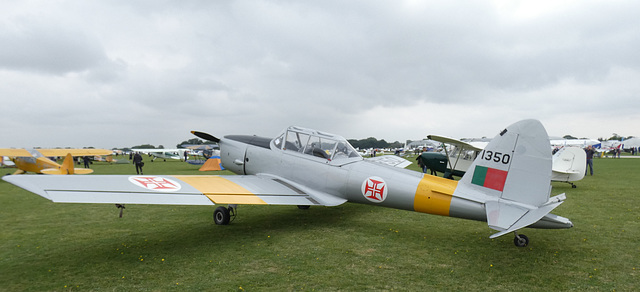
pixel 57 247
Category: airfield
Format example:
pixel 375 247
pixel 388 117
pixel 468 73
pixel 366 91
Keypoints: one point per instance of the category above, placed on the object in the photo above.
pixel 64 247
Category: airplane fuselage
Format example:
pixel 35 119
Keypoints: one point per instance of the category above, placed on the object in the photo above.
pixel 34 164
pixel 357 181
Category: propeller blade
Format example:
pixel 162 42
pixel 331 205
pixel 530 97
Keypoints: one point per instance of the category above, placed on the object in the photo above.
pixel 205 136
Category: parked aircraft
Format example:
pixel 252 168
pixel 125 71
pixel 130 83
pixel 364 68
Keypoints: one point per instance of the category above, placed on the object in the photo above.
pixel 177 154
pixel 573 142
pixel 569 165
pixel 508 186
pixel 456 160
pixel 35 160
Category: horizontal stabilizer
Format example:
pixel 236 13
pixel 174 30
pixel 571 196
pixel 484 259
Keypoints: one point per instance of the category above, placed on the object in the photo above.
pixel 503 212
pixel 501 216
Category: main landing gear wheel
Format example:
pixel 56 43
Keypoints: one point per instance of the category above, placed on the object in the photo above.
pixel 303 207
pixel 222 215
pixel 521 240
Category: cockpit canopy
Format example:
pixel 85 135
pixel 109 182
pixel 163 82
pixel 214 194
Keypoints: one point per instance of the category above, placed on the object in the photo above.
pixel 306 141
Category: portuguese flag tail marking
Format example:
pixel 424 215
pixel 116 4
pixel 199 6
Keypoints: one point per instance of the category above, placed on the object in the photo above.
pixel 489 177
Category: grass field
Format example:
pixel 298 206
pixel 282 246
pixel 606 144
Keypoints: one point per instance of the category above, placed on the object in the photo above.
pixel 60 247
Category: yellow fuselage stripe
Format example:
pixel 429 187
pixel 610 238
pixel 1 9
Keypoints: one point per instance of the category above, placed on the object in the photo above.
pixel 221 190
pixel 433 195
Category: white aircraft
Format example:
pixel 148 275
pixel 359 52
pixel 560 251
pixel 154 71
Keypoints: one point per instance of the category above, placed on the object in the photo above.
pixel 573 142
pixel 569 165
pixel 177 154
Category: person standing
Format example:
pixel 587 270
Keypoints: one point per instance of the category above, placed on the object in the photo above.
pixel 137 160
pixel 421 163
pixel 590 153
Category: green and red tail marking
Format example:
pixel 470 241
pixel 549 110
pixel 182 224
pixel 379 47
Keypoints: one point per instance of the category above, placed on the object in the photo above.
pixel 489 177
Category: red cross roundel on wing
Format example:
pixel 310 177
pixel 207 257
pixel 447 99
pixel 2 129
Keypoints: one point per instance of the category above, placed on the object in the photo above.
pixel 155 183
pixel 374 189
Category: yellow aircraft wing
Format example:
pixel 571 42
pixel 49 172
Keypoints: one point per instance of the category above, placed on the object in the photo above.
pixel 11 152
pixel 14 152
pixel 74 152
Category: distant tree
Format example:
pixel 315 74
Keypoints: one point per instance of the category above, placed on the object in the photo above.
pixel 372 142
pixel 569 137
pixel 195 141
pixel 615 137
pixel 396 144
pixel 145 146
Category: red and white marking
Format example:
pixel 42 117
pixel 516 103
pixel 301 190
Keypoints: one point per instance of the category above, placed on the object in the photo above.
pixel 374 189
pixel 155 183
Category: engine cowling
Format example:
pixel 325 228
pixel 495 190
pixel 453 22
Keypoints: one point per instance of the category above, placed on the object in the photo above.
pixel 232 155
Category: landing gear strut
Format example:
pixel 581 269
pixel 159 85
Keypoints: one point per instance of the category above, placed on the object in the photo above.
pixel 223 215
pixel 520 240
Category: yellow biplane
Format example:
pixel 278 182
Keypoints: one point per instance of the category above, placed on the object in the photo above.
pixel 38 161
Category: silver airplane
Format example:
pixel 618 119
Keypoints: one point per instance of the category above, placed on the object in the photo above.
pixel 507 186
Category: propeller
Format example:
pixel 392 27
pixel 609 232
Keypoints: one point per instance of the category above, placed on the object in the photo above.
pixel 205 136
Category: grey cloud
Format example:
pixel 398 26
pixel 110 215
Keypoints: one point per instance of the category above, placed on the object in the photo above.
pixel 49 49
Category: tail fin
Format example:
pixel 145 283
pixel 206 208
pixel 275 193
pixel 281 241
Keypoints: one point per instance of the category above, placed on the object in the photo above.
pixel 569 164
pixel 512 177
pixel 67 167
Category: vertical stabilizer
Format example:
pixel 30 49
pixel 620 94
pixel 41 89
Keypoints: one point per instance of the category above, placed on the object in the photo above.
pixel 512 177
pixel 515 166
pixel 67 165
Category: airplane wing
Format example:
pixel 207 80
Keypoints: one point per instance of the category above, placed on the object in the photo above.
pixel 453 141
pixel 172 190
pixel 161 150
pixel 14 152
pixel 391 160
pixel 74 152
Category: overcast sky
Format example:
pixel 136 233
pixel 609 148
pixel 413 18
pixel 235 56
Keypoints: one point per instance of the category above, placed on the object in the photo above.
pixel 124 73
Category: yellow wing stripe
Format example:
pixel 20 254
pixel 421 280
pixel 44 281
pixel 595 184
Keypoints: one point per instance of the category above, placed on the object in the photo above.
pixel 221 190
pixel 433 195
pixel 236 199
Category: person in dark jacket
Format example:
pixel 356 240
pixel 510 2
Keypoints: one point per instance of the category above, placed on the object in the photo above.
pixel 137 160
pixel 590 153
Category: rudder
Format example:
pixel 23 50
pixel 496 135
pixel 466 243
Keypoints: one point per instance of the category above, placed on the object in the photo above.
pixel 516 165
